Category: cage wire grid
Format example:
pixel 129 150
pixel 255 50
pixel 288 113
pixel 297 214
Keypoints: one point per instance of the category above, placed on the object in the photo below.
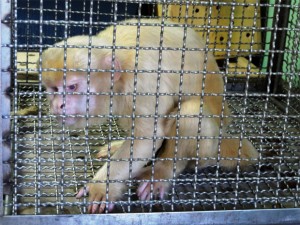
pixel 49 170
pixel 50 160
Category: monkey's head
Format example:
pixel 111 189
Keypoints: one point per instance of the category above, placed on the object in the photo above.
pixel 77 81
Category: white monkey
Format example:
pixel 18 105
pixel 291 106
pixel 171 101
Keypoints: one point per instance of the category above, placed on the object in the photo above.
pixel 158 75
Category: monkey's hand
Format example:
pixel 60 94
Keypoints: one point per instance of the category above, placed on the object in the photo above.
pixel 103 151
pixel 160 185
pixel 98 196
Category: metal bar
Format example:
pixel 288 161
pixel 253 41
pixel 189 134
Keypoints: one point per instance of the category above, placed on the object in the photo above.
pixel 280 40
pixel 66 160
pixel 5 77
pixel 239 217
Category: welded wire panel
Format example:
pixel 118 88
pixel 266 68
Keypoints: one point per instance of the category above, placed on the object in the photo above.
pixel 52 162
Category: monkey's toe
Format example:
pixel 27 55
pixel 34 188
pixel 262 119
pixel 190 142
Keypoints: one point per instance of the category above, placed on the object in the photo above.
pixel 146 190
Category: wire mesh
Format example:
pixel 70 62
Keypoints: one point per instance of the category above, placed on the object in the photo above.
pixel 47 170
pixel 51 162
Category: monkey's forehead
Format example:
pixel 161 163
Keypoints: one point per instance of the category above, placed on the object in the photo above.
pixel 71 58
pixel 55 78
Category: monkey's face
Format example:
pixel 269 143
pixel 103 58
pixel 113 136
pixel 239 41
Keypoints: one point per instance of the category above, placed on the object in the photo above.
pixel 76 101
pixel 74 94
pixel 78 97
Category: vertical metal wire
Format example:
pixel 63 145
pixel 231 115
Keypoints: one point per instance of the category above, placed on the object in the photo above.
pixel 180 92
pixel 134 96
pixel 292 71
pixel 195 180
pixel 238 169
pixel 27 40
pixel 56 171
pixel 268 91
pixel 5 126
pixel 87 94
pixel 283 138
pixel 126 10
pixel 263 190
pixel 15 93
pixel 221 132
pixel 247 81
pixel 200 116
pixel 98 11
pixel 283 15
pixel 55 17
pixel 113 16
pixel 38 181
pixel 111 95
pixel 218 18
pixel 156 116
pixel 153 11
pixel 64 96
pixel 83 11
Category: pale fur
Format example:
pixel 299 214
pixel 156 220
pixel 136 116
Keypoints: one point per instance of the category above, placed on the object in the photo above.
pixel 143 130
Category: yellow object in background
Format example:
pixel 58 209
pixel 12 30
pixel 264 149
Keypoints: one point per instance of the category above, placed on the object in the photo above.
pixel 234 26
pixel 242 68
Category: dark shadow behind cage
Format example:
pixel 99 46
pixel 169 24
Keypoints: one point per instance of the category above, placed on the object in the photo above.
pixel 256 44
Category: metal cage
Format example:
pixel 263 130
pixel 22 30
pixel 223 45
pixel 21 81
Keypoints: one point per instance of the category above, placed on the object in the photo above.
pixel 44 163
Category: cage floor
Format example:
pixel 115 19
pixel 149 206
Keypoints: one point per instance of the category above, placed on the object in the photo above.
pixel 51 161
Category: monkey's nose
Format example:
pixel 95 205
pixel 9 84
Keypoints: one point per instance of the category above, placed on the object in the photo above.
pixel 62 106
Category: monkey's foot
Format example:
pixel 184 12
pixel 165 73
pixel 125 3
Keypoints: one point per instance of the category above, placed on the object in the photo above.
pixel 97 197
pixel 156 188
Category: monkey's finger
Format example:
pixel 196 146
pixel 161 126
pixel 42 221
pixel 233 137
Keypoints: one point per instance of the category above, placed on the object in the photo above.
pixel 141 188
pixel 90 208
pixel 93 208
pixel 102 154
pixel 102 207
pixel 110 207
pixel 82 192
pixel 161 192
pixel 144 194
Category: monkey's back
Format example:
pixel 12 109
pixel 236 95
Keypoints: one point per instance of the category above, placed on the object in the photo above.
pixel 173 52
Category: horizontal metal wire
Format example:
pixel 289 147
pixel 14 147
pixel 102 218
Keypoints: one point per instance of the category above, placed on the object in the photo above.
pixel 52 162
pixel 49 169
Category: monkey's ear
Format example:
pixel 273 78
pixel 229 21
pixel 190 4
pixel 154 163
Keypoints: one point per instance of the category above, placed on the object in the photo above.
pixel 117 66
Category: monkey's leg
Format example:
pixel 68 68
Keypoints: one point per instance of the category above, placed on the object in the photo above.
pixel 175 156
pixel 162 171
pixel 228 152
pixel 103 194
pixel 234 151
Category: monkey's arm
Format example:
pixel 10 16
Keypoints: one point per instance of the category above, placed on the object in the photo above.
pixel 177 156
pixel 103 151
pixel 124 164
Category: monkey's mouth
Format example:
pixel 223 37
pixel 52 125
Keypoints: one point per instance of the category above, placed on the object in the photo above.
pixel 68 121
pixel 72 122
pixel 78 120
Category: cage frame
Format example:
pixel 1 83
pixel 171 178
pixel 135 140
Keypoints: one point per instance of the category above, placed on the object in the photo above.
pixel 256 216
pixel 244 217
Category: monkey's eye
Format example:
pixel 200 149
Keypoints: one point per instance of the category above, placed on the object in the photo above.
pixel 54 89
pixel 72 87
